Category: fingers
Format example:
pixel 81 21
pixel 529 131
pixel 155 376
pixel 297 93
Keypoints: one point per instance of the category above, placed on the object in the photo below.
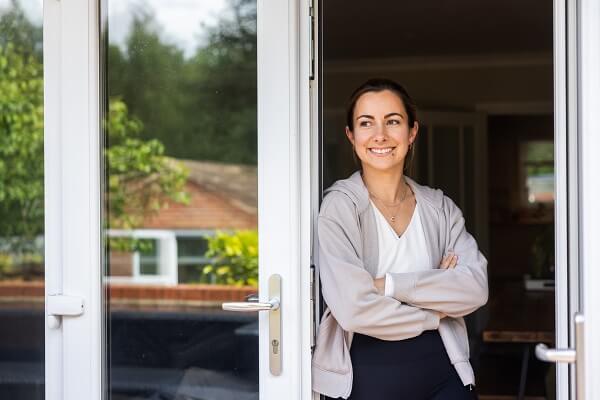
pixel 449 261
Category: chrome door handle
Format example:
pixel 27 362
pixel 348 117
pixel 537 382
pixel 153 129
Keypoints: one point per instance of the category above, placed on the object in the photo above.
pixel 250 306
pixel 543 353
pixel 568 355
pixel 274 308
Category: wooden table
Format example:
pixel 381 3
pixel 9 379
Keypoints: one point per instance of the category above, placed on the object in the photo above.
pixel 522 317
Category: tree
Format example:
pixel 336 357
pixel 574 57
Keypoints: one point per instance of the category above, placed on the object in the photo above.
pixel 222 87
pixel 147 76
pixel 141 179
pixel 203 107
pixel 21 146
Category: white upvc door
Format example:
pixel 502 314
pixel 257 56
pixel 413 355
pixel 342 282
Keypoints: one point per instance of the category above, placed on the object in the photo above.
pixel 587 15
pixel 577 220
pixel 77 324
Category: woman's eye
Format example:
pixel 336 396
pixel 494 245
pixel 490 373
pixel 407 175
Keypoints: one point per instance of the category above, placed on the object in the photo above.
pixel 365 123
pixel 393 122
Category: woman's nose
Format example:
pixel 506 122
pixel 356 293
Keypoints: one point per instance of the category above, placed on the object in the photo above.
pixel 380 133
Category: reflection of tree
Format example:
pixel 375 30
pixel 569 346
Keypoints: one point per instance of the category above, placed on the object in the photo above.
pixel 15 28
pixel 203 107
pixel 141 178
pixel 21 146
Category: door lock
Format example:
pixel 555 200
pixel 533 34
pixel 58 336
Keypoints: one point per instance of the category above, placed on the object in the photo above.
pixel 274 308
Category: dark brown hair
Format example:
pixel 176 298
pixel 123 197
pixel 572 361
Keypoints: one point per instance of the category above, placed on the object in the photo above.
pixel 379 85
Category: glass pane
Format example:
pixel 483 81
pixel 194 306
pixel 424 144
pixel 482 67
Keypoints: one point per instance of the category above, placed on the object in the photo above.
pixel 180 195
pixel 538 166
pixel 21 201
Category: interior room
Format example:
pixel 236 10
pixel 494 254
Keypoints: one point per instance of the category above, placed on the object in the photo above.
pixel 481 74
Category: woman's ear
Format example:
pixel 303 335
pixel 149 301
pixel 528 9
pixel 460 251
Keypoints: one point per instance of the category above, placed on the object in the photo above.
pixel 413 133
pixel 350 135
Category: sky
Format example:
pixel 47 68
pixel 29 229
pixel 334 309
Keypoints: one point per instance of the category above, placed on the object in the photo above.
pixel 180 19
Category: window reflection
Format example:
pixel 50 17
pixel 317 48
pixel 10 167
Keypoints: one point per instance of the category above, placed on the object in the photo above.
pixel 180 198
pixel 21 201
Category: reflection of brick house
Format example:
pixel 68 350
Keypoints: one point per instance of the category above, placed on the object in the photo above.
pixel 222 197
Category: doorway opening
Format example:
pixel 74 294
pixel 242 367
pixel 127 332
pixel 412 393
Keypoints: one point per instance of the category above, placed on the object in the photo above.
pixel 482 77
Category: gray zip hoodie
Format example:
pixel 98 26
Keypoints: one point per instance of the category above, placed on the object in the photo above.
pixel 347 256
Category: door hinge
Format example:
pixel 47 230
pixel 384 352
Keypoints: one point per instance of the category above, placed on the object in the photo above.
pixel 311 42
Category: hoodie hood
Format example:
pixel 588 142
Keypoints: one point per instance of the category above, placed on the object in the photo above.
pixel 354 187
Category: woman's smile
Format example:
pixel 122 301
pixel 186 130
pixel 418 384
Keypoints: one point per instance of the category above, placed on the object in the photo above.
pixel 381 151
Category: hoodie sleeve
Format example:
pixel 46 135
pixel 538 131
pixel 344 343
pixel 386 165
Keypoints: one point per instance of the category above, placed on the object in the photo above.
pixel 349 289
pixel 455 292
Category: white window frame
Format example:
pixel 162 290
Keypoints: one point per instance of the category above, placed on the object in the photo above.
pixel 166 254
pixel 73 168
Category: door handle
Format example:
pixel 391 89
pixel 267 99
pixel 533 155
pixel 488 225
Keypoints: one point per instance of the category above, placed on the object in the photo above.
pixel 250 306
pixel 274 308
pixel 59 305
pixel 575 355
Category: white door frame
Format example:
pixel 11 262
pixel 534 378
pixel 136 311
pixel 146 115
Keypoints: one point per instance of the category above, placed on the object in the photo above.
pixel 74 350
pixel 589 192
pixel 565 191
pixel 577 101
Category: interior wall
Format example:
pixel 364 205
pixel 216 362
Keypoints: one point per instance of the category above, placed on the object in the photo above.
pixel 502 84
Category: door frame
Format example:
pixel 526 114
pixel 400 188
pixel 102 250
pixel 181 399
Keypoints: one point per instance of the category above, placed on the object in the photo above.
pixel 74 351
pixel 566 212
pixel 72 197
pixel 588 125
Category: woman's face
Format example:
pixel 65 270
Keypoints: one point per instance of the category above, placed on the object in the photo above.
pixel 381 135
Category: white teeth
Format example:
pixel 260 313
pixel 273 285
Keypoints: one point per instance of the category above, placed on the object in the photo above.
pixel 381 151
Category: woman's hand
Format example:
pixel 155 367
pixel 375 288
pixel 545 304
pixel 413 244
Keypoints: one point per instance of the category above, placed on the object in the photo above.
pixel 449 261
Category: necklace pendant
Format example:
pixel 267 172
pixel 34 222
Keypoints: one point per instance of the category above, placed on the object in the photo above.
pixel 393 219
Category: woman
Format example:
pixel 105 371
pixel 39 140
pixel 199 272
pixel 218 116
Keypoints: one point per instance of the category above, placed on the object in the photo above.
pixel 398 269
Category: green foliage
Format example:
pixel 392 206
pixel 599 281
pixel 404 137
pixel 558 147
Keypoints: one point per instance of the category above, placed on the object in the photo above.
pixel 141 179
pixel 201 107
pixel 17 30
pixel 21 145
pixel 235 258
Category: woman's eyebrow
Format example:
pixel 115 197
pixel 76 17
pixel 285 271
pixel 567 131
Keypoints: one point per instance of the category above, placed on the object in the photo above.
pixel 365 116
pixel 393 113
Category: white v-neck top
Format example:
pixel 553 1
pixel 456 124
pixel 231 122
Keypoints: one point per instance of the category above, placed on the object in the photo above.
pixel 405 253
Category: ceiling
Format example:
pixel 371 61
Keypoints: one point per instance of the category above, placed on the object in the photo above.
pixel 391 29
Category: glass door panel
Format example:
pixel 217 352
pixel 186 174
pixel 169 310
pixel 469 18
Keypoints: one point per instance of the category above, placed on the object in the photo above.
pixel 180 198
pixel 21 201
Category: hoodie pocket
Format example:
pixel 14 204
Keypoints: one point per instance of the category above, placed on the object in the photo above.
pixel 454 335
pixel 331 351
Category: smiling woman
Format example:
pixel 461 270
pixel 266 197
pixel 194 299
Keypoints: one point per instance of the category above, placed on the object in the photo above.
pixel 399 284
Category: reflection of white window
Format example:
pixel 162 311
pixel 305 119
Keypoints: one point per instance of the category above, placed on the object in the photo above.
pixel 191 247
pixel 537 166
pixel 155 264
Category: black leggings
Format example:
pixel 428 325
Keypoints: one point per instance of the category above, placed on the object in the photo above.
pixel 412 369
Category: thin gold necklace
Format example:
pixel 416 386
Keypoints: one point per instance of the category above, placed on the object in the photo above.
pixel 393 215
